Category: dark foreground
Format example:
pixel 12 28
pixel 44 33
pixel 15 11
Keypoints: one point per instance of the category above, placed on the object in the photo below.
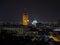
pixel 9 39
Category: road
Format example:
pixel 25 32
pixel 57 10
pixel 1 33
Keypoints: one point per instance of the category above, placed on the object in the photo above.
pixel 55 38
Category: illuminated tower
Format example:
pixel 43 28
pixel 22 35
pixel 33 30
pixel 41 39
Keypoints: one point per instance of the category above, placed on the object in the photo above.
pixel 25 18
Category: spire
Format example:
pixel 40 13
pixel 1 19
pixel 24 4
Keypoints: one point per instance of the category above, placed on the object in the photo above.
pixel 25 11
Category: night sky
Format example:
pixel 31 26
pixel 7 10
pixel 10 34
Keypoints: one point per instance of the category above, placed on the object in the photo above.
pixel 41 10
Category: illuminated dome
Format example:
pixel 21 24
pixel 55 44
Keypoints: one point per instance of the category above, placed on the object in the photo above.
pixel 34 22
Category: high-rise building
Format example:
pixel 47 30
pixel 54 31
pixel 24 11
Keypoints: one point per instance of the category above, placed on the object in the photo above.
pixel 25 18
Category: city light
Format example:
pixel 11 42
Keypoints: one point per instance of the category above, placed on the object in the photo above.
pixel 34 22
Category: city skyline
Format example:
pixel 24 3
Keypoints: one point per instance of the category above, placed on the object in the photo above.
pixel 12 10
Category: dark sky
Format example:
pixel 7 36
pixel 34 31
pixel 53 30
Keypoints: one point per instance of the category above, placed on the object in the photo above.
pixel 11 10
